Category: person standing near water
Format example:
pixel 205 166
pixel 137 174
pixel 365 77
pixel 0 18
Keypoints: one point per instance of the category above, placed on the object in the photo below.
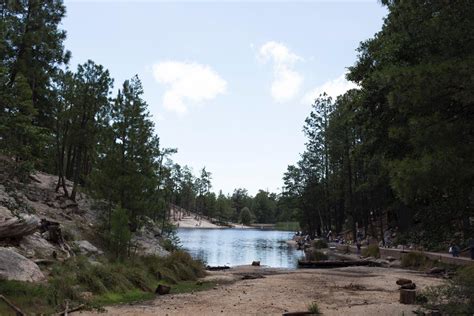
pixel 454 249
pixel 470 247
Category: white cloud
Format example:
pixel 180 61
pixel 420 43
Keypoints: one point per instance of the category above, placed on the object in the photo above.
pixel 333 88
pixel 286 81
pixel 189 83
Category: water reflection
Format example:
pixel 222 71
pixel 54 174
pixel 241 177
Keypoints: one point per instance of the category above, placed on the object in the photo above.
pixel 240 246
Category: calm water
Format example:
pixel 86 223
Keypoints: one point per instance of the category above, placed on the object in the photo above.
pixel 233 247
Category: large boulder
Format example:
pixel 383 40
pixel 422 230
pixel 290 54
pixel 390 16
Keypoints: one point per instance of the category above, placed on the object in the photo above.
pixel 5 213
pixel 36 246
pixel 149 246
pixel 14 266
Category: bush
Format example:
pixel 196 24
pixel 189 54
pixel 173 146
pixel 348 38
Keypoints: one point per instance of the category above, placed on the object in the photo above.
pixel 315 255
pixel 456 297
pixel 319 244
pixel 120 235
pixel 371 251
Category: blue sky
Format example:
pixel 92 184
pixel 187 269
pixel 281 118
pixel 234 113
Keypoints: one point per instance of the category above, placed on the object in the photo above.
pixel 228 84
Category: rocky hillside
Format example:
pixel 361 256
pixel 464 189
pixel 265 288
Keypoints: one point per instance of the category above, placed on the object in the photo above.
pixel 39 227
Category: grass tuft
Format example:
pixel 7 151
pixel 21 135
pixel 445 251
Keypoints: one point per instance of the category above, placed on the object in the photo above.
pixel 313 308
pixel 371 251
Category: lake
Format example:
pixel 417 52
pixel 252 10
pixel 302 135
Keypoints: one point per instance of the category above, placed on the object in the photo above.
pixel 232 247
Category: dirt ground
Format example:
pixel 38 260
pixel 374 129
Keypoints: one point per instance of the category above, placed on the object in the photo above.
pixel 342 291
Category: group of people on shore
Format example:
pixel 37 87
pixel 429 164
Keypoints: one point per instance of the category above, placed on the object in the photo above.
pixel 303 238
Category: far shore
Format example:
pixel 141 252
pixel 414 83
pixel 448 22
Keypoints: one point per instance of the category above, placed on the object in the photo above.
pixel 195 221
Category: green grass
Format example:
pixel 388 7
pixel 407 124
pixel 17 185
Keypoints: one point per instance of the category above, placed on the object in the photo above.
pixel 109 282
pixel 371 251
pixel 114 298
pixel 289 226
pixel 191 286
pixel 418 261
pixel 31 298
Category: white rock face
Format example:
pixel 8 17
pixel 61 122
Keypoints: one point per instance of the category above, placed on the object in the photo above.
pixel 5 213
pixel 14 266
pixel 87 248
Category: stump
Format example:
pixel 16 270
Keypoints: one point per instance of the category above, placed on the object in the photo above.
pixel 162 289
pixel 407 296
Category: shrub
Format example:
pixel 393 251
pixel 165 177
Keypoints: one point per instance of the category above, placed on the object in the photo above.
pixel 245 216
pixel 414 260
pixel 456 297
pixel 119 236
pixel 315 255
pixel 319 244
pixel 371 251
pixel 313 308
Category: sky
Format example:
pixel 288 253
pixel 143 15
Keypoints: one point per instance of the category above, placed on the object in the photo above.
pixel 229 83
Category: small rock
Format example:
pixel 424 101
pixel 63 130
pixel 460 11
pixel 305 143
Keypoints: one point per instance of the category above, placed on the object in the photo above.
pixel 403 281
pixel 256 263
pixel 390 258
pixel 436 270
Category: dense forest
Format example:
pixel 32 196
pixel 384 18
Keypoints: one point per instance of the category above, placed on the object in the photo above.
pixel 398 151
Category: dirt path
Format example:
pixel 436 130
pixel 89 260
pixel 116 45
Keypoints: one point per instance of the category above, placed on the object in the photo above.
pixel 344 291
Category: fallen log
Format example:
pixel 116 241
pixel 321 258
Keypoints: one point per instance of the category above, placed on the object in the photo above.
pixel 17 310
pixel 326 264
pixel 17 227
pixel 71 310
pixel 217 268
pixel 252 276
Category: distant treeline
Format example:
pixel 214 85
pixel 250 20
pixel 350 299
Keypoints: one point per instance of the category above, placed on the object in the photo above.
pixel 399 150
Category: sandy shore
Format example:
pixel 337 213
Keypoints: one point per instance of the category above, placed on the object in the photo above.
pixel 183 220
pixel 343 291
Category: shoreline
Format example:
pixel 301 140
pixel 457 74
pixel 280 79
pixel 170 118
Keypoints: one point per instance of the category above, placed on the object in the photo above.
pixel 273 291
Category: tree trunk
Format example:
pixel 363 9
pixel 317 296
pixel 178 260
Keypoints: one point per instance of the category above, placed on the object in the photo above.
pixel 16 227
pixel 77 171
